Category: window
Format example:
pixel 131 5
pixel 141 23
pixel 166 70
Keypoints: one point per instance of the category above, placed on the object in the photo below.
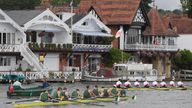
pixel 85 23
pixel 13 38
pixel 133 35
pixel 8 38
pixel 5 61
pixel 0 38
pixel 4 38
pixel 46 38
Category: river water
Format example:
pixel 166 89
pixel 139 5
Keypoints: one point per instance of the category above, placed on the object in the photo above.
pixel 145 99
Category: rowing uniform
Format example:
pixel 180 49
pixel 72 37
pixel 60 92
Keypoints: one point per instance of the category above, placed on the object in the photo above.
pixel 155 83
pixel 163 84
pixel 127 84
pixel 44 97
pixel 172 83
pixel 146 84
pixel 118 84
pixel 86 94
pixel 137 84
pixel 180 84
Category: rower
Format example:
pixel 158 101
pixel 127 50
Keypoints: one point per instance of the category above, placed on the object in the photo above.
pixel 146 84
pixel 45 84
pixel 118 83
pixel 64 94
pixel 163 84
pixel 137 84
pixel 17 85
pixel 127 84
pixel 104 92
pixel 180 84
pixel 45 96
pixel 172 83
pixel 57 93
pixel 96 91
pixel 155 84
pixel 76 94
pixel 88 93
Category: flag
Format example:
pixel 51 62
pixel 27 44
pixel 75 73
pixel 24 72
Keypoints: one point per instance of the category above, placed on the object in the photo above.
pixel 71 3
pixel 119 33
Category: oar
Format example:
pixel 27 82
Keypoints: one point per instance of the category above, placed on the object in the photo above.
pixel 86 103
pixel 25 100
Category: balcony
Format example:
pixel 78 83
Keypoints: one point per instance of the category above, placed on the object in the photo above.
pixel 9 48
pixel 91 47
pixel 50 47
pixel 150 47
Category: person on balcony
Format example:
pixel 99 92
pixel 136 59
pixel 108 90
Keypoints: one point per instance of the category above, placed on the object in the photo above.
pixel 41 58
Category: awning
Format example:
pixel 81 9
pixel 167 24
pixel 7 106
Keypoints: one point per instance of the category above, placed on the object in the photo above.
pixel 93 33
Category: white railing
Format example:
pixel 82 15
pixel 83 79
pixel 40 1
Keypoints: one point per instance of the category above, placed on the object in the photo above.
pixel 151 47
pixel 89 46
pixel 32 59
pixel 70 69
pixel 9 48
pixel 56 75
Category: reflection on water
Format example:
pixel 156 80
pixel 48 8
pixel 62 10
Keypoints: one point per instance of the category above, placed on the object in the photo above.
pixel 145 99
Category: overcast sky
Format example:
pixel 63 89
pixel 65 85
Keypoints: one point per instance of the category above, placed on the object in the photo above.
pixel 168 4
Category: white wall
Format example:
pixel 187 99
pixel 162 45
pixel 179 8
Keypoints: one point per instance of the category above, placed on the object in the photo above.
pixel 185 42
pixel 8 28
pixel 52 61
pixel 12 67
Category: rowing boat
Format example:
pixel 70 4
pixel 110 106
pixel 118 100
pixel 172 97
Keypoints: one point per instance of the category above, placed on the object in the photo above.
pixel 157 88
pixel 67 102
pixel 28 92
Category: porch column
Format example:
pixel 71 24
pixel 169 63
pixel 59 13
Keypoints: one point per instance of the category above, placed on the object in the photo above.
pixel 167 67
pixel 157 65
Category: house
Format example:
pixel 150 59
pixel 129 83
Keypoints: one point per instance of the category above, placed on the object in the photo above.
pixel 184 29
pixel 48 43
pixel 145 36
pixel 90 40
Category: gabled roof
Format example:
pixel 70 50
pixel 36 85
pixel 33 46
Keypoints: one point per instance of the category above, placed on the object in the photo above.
pixel 23 16
pixel 158 27
pixel 112 11
pixel 183 24
pixel 76 18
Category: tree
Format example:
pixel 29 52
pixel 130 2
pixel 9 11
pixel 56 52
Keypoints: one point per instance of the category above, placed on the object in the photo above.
pixel 187 7
pixel 182 60
pixel 114 56
pixel 61 2
pixel 18 4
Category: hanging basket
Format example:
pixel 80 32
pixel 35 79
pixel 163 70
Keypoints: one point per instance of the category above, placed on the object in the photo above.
pixel 42 34
pixel 50 34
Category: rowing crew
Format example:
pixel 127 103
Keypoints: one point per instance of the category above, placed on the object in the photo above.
pixel 63 94
pixel 147 84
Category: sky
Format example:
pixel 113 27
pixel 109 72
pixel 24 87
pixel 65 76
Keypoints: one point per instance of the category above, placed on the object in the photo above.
pixel 168 4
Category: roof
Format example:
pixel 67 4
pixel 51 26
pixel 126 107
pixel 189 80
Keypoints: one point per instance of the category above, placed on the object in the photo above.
pixel 112 12
pixel 183 24
pixel 76 18
pixel 158 26
pixel 23 16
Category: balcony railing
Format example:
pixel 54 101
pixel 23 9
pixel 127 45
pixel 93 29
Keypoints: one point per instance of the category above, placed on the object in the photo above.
pixel 150 47
pixel 91 47
pixel 50 47
pixel 9 48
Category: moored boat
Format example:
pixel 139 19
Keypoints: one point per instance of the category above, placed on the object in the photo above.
pixel 68 102
pixel 28 92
